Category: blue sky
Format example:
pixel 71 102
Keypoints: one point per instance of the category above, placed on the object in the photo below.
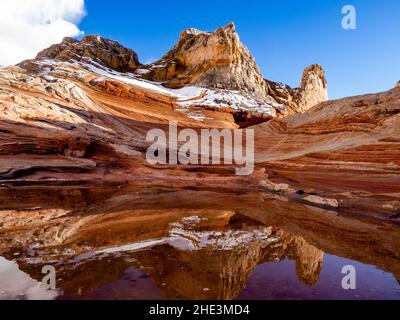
pixel 285 36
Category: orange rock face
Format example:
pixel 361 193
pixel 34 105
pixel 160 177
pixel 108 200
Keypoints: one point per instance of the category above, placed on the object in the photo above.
pixel 210 59
pixel 218 60
pixel 80 112
pixel 93 49
pixel 182 246
pixel 313 89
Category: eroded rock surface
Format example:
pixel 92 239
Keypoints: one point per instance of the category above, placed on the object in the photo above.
pixel 313 89
pixel 94 50
pixel 181 246
pixel 210 60
pixel 219 60
pixel 80 112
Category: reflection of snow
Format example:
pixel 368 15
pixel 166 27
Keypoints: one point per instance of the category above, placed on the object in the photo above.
pixel 133 246
pixel 185 238
pixel 15 284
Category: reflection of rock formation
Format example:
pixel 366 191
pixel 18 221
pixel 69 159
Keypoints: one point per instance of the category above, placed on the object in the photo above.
pixel 308 262
pixel 190 246
pixel 205 256
pixel 17 285
pixel 120 215
pixel 221 274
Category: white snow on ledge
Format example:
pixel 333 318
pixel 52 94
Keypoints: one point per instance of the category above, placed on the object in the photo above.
pixel 128 78
pixel 233 100
pixel 189 99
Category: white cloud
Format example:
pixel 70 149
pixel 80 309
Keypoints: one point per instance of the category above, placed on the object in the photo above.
pixel 28 26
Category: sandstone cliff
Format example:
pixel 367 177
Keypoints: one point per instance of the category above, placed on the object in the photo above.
pixel 93 50
pixel 81 111
pixel 222 69
pixel 75 183
pixel 210 60
pixel 218 60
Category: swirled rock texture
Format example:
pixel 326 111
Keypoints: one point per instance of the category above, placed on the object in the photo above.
pixel 220 67
pixel 80 112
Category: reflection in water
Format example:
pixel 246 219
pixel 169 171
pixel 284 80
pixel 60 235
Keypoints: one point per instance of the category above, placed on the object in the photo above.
pixel 17 285
pixel 114 246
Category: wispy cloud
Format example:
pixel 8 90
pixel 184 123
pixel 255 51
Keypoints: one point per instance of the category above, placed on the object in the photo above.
pixel 28 26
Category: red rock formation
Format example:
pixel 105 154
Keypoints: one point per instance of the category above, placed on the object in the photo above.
pixel 72 115
pixel 94 50
pixel 218 60
pixel 180 243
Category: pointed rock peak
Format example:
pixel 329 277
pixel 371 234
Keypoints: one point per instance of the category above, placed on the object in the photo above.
pixel 313 89
pixel 210 60
pixel 99 41
pixel 312 72
pixel 229 28
pixel 69 40
pixel 398 84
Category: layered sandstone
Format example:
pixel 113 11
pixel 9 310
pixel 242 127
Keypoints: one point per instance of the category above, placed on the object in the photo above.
pixel 76 114
pixel 188 249
pixel 129 228
pixel 344 151
pixel 217 63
